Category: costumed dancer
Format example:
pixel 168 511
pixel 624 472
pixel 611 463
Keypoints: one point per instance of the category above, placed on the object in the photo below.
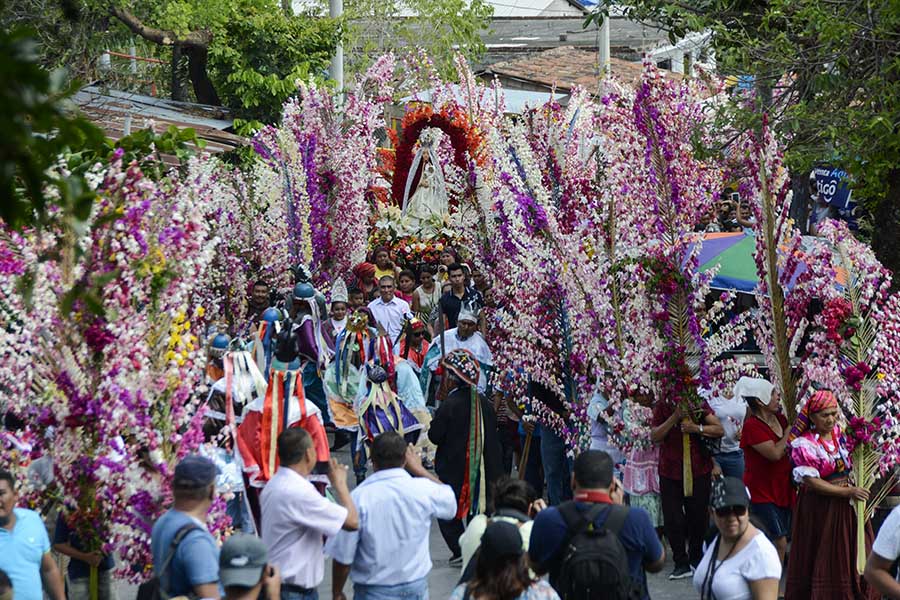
pixel 294 346
pixel 464 336
pixel 822 560
pixel 240 383
pixel 378 405
pixel 311 349
pixel 263 344
pixel 412 350
pixel 354 347
pixel 218 345
pixel 469 457
pixel 302 274
pixel 337 321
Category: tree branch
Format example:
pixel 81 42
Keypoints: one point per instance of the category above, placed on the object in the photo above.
pixel 195 39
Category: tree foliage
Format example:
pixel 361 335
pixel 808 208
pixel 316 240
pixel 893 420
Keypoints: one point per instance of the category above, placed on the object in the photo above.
pixel 439 27
pixel 258 58
pixel 243 54
pixel 36 129
pixel 47 151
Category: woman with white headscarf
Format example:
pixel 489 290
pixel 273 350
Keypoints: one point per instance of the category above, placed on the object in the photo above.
pixel 768 466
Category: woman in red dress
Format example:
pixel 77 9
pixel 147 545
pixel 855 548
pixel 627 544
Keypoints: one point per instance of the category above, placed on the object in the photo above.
pixel 767 472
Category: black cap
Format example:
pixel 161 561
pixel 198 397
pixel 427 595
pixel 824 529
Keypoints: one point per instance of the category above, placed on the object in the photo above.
pixel 501 539
pixel 242 560
pixel 194 471
pixel 728 491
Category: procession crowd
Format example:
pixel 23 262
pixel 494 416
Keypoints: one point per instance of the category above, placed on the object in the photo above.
pixel 397 365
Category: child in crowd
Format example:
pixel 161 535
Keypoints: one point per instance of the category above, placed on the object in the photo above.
pixel 640 476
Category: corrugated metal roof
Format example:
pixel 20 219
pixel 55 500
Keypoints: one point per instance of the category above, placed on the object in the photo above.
pixel 516 101
pixel 111 109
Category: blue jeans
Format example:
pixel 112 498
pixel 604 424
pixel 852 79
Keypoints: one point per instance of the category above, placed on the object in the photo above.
pixel 557 467
pixel 237 510
pixel 732 463
pixel 414 590
pixel 358 453
pixel 311 595
pixel 777 519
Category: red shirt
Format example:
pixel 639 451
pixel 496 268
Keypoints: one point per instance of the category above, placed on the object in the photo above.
pixel 413 356
pixel 671 451
pixel 767 481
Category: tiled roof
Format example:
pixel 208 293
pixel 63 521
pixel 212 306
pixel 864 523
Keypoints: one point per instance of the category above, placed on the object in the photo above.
pixel 566 67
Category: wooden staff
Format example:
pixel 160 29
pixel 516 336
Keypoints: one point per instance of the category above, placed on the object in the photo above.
pixel 443 329
pixel 523 460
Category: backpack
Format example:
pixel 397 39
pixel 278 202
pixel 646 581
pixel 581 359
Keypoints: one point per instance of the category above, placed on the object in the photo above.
pixel 594 563
pixel 153 589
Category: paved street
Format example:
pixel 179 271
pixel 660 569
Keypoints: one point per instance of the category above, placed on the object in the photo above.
pixel 443 578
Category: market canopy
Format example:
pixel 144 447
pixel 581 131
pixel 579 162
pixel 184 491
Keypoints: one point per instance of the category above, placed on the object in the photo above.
pixel 733 253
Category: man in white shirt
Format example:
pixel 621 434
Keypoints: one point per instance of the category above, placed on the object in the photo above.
pixel 885 552
pixel 388 310
pixel 388 557
pixel 295 516
pixel 464 336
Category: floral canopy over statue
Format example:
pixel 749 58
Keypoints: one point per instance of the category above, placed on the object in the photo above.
pixel 429 171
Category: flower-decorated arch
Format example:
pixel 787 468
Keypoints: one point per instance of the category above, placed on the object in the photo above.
pixel 452 120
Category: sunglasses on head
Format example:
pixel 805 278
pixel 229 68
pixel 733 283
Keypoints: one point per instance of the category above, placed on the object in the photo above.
pixel 727 511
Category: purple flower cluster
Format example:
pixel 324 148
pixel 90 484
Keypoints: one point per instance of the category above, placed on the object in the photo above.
pixel 319 220
pixel 533 214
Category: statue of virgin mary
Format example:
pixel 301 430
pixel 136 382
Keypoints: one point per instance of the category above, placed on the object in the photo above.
pixel 429 202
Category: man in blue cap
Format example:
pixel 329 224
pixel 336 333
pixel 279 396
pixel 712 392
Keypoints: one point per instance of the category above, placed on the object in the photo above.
pixel 181 536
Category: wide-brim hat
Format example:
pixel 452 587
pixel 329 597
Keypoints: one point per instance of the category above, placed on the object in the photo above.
pixel 464 365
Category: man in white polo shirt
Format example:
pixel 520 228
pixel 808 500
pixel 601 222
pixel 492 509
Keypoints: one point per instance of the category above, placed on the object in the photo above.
pixel 388 310
pixel 295 516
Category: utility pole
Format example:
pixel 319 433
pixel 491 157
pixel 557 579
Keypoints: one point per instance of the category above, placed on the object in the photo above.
pixel 603 47
pixel 335 10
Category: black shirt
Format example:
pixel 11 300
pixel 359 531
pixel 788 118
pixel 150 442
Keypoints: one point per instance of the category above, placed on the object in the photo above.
pixel 451 304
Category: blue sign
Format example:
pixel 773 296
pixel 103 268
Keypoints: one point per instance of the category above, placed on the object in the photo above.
pixel 832 187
